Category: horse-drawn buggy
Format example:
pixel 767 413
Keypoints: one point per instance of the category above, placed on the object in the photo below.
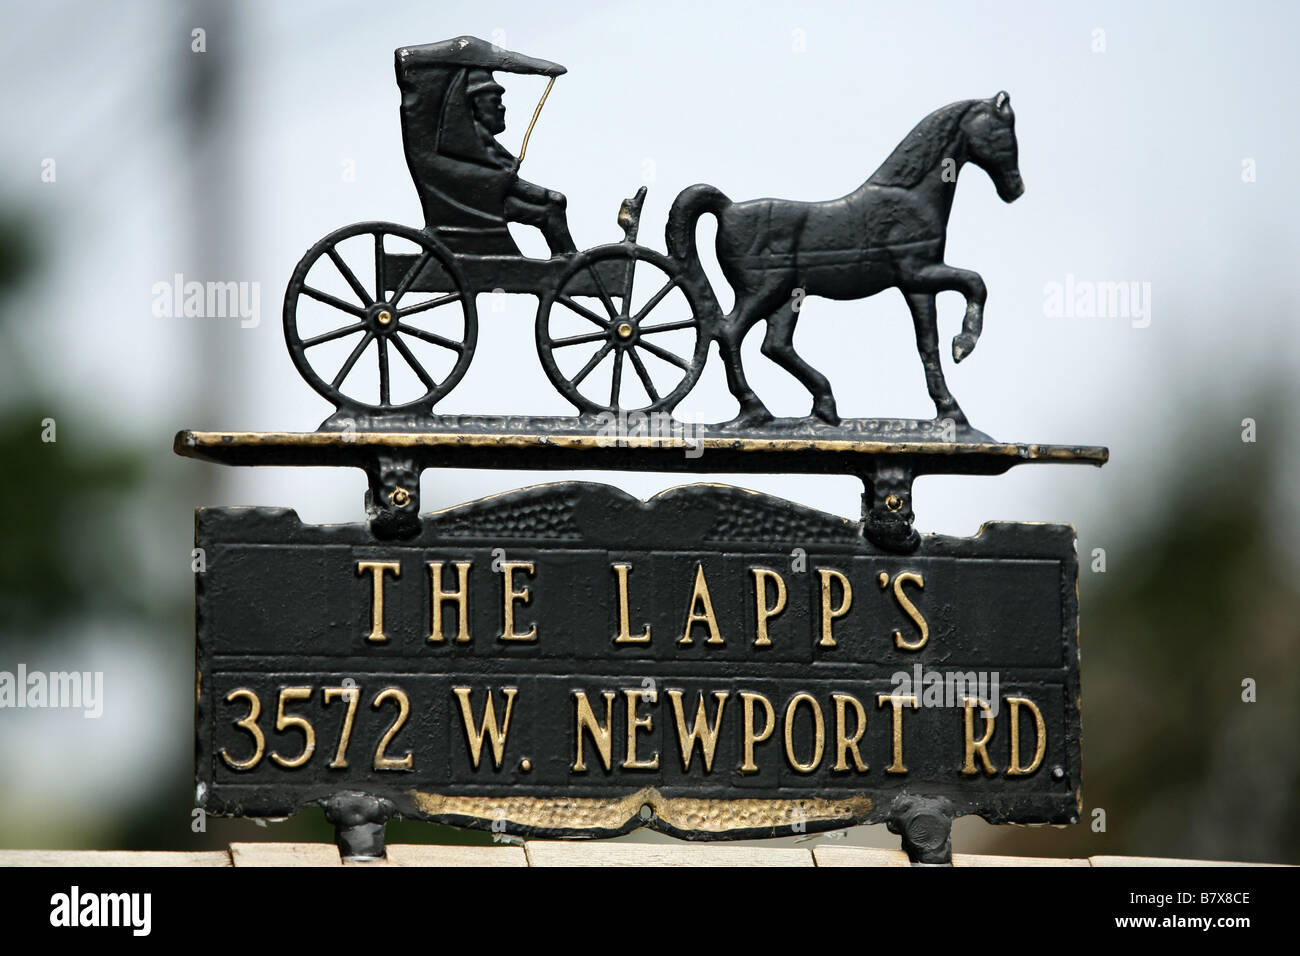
pixel 620 326
pixel 623 309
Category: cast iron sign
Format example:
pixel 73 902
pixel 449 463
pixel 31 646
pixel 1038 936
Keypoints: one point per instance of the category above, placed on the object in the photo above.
pixel 668 663
pixel 567 660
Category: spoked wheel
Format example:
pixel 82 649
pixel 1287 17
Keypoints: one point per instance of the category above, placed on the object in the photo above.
pixel 621 331
pixel 356 292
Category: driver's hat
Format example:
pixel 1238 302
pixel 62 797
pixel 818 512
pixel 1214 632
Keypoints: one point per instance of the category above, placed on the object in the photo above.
pixel 481 81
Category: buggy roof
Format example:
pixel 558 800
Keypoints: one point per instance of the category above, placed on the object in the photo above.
pixel 471 52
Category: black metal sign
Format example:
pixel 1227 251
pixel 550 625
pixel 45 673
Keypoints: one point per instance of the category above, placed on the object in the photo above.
pixel 570 661
pixel 566 660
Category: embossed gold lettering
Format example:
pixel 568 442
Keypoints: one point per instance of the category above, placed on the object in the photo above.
pixel 763 612
pixel 624 635
pixel 1040 736
pixel 910 577
pixel 377 569
pixel 829 614
pixel 601 734
pixel 476 731
pixel 977 748
pixel 636 723
pixel 844 743
pixel 700 596
pixel 703 734
pixel 819 732
pixel 897 701
pixel 753 737
pixel 460 596
pixel 523 595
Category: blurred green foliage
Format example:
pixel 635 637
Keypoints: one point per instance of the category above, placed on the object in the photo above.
pixel 58 505
pixel 1199 595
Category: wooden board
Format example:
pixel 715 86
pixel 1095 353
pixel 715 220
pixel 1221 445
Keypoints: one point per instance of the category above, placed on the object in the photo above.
pixel 285 854
pixel 418 855
pixel 93 858
pixel 557 853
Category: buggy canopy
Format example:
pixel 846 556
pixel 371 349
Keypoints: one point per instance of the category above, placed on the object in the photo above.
pixel 471 52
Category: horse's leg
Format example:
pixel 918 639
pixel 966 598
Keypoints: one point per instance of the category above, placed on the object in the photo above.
pixel 778 345
pixel 926 319
pixel 752 305
pixel 941 277
pixel 752 410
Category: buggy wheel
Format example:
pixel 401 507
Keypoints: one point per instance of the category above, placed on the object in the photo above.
pixel 346 299
pixel 621 331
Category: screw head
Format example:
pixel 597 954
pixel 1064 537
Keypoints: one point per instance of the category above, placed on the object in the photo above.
pixel 624 330
pixel 384 317
pixel 894 503
pixel 400 497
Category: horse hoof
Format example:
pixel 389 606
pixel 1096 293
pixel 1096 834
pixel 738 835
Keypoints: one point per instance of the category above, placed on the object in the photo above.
pixel 750 417
pixel 828 414
pixel 962 346
pixel 954 419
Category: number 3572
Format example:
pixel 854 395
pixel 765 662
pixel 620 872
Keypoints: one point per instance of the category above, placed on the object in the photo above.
pixel 284 721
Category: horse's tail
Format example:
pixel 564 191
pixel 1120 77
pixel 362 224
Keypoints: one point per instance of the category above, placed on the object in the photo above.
pixel 690 204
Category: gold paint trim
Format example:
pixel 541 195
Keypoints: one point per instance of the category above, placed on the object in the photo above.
pixel 188 443
pixel 682 813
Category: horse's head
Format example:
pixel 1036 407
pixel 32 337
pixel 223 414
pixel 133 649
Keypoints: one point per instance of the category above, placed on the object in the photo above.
pixel 990 129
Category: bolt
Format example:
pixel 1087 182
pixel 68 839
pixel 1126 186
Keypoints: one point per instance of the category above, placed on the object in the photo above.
pixel 894 503
pixel 400 497
pixel 624 330
pixel 384 317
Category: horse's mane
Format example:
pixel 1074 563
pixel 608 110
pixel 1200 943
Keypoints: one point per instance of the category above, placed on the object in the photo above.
pixel 921 150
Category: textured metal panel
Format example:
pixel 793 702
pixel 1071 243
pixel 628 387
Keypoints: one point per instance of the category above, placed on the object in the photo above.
pixel 282 605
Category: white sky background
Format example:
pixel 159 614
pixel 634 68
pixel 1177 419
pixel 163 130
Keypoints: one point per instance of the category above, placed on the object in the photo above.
pixel 1132 160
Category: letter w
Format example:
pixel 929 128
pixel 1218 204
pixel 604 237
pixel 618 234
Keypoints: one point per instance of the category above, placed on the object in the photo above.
pixel 700 732
pixel 487 726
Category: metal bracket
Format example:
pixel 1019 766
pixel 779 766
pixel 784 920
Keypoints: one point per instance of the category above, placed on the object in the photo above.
pixel 393 498
pixel 359 820
pixel 887 514
pixel 925 824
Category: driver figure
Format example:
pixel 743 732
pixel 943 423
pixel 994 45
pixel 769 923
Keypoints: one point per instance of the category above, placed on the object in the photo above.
pixel 525 202
pixel 469 183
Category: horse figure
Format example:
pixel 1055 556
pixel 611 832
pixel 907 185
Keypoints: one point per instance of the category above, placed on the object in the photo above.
pixel 890 232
